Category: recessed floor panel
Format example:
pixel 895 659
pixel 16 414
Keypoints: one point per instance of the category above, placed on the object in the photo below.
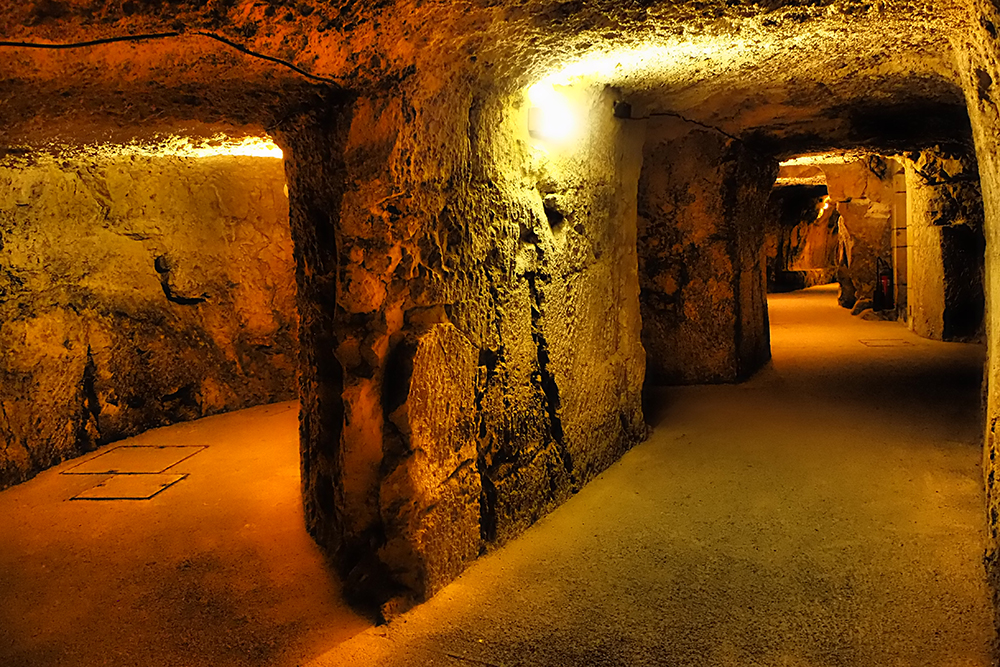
pixel 885 342
pixel 135 459
pixel 129 487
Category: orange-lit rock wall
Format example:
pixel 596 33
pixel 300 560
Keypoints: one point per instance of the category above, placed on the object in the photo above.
pixel 979 63
pixel 946 245
pixel 702 203
pixel 470 313
pixel 137 292
pixel 861 192
pixel 801 241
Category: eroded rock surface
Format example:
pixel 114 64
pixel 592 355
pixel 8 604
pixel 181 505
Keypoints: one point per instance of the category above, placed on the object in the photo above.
pixel 470 331
pixel 945 221
pixel 137 292
pixel 703 199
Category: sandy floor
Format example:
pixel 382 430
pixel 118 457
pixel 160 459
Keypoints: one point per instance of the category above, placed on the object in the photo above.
pixel 214 571
pixel 827 512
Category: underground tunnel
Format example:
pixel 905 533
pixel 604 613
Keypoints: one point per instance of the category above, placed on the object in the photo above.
pixel 505 262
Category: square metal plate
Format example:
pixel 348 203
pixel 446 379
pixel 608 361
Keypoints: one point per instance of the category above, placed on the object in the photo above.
pixel 134 459
pixel 884 342
pixel 129 487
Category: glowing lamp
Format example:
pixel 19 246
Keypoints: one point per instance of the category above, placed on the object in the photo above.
pixel 824 207
pixel 551 116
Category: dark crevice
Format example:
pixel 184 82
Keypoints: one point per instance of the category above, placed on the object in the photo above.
pixel 162 266
pixel 490 360
pixel 397 375
pixel 554 213
pixel 546 380
pixel 89 438
pixel 181 300
pixel 7 440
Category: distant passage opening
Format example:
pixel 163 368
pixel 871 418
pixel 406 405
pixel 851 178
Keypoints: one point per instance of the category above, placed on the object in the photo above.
pixel 841 218
pixel 901 235
pixel 140 285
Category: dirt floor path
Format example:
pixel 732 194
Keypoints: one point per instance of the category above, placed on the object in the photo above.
pixel 827 512
pixel 215 571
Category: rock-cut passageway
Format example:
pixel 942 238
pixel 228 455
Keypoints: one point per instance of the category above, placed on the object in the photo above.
pixel 827 512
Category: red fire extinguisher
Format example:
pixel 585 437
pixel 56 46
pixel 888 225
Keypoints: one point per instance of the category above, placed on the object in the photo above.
pixel 883 298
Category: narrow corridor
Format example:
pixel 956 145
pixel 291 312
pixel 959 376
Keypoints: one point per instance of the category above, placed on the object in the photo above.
pixel 826 512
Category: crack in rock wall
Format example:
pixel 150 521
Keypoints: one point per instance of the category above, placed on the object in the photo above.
pixel 95 349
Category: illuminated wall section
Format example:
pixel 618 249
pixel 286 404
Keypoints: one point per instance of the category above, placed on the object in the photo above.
pixel 139 286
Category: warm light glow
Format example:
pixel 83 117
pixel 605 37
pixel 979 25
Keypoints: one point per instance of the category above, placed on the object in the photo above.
pixel 826 205
pixel 552 116
pixel 175 146
pixel 248 146
pixel 819 159
pixel 614 67
pixel 186 147
pixel 217 146
pixel 556 116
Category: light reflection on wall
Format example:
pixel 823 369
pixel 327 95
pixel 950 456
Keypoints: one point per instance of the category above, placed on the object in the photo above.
pixel 219 145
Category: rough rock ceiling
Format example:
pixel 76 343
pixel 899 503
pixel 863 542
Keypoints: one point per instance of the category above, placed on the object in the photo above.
pixel 797 76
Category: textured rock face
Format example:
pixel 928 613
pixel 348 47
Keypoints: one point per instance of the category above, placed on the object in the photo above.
pixel 471 327
pixel 863 198
pixel 945 221
pixel 431 500
pixel 137 292
pixel 979 65
pixel 801 239
pixel 422 214
pixel 702 203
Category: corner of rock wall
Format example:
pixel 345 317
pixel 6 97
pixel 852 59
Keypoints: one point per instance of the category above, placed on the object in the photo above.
pixel 313 145
pixel 702 200
pixel 135 292
pixel 945 217
pixel 487 325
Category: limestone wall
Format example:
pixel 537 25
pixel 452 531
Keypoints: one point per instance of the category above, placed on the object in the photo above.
pixel 136 292
pixel 978 59
pixel 862 193
pixel 702 203
pixel 801 241
pixel 485 326
pixel 946 245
